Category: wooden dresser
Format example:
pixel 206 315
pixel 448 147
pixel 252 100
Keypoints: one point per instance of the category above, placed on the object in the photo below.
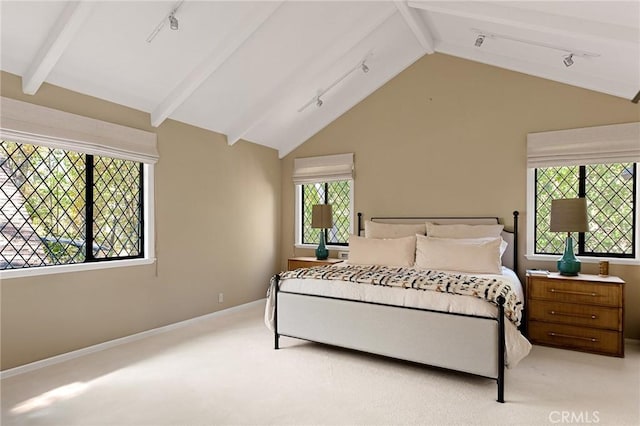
pixel 308 262
pixel 583 313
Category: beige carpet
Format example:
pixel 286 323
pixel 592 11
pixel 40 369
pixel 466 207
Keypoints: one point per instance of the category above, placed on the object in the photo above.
pixel 224 370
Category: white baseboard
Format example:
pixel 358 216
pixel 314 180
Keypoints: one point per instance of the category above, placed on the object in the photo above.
pixel 631 342
pixel 120 341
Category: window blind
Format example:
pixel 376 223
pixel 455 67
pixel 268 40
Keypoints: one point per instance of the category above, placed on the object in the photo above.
pixel 35 124
pixel 617 143
pixel 325 168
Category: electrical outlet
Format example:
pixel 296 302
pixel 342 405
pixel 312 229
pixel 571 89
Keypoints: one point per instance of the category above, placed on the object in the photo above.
pixel 343 255
pixel 220 297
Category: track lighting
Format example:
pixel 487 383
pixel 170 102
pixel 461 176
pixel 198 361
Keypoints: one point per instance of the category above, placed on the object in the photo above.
pixel 362 65
pixel 568 60
pixel 171 17
pixel 173 21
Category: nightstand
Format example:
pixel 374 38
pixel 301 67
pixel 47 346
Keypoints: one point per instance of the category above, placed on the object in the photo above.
pixel 583 313
pixel 308 262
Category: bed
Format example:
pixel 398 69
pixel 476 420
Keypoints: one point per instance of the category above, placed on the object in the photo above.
pixel 388 310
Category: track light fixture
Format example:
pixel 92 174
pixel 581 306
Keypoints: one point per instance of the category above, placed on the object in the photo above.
pixel 568 60
pixel 173 21
pixel 362 65
pixel 171 17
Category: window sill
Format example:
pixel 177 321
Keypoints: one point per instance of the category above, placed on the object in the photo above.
pixel 315 246
pixel 62 269
pixel 584 259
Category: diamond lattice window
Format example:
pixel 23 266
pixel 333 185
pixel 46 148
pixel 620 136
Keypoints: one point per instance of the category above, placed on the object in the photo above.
pixel 50 214
pixel 117 208
pixel 610 193
pixel 338 194
pixel 552 183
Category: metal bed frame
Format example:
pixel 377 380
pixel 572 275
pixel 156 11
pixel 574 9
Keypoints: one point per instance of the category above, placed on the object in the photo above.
pixel 499 372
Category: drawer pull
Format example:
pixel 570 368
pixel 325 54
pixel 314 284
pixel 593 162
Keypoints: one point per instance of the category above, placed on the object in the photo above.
pixel 580 293
pixel 589 339
pixel 591 316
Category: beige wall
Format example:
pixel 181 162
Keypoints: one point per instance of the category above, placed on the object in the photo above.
pixel 448 137
pixel 217 230
pixel 445 137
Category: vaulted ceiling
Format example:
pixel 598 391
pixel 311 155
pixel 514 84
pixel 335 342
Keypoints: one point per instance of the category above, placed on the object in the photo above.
pixel 275 73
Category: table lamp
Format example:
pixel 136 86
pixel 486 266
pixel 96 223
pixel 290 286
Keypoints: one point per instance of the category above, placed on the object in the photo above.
pixel 569 215
pixel 321 218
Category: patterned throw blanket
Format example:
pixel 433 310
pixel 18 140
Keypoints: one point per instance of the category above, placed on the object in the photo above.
pixel 467 285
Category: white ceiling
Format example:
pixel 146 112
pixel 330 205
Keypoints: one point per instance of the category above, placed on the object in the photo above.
pixel 246 69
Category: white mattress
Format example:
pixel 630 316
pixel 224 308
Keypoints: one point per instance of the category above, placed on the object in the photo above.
pixel 517 346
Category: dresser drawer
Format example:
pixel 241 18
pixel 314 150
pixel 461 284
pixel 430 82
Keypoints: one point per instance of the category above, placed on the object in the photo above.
pixel 580 338
pixel 577 292
pixel 573 314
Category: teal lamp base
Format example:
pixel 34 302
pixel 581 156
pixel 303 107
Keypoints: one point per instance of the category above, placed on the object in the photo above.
pixel 568 264
pixel 321 252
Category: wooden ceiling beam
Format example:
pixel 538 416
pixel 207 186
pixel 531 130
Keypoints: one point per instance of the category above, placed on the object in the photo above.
pixel 302 73
pixel 183 90
pixel 514 16
pixel 65 28
pixel 417 26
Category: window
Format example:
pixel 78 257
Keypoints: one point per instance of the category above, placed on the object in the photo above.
pixel 324 180
pixel 75 193
pixel 597 163
pixel 63 207
pixel 610 190
pixel 338 194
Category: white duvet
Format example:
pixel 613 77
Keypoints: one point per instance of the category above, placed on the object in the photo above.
pixel 517 346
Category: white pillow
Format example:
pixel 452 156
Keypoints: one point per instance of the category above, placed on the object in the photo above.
pixel 479 256
pixel 463 231
pixel 503 243
pixel 392 230
pixel 387 252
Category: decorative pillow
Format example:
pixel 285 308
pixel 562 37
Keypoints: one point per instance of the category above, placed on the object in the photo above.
pixel 392 230
pixel 387 252
pixel 479 256
pixel 463 231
